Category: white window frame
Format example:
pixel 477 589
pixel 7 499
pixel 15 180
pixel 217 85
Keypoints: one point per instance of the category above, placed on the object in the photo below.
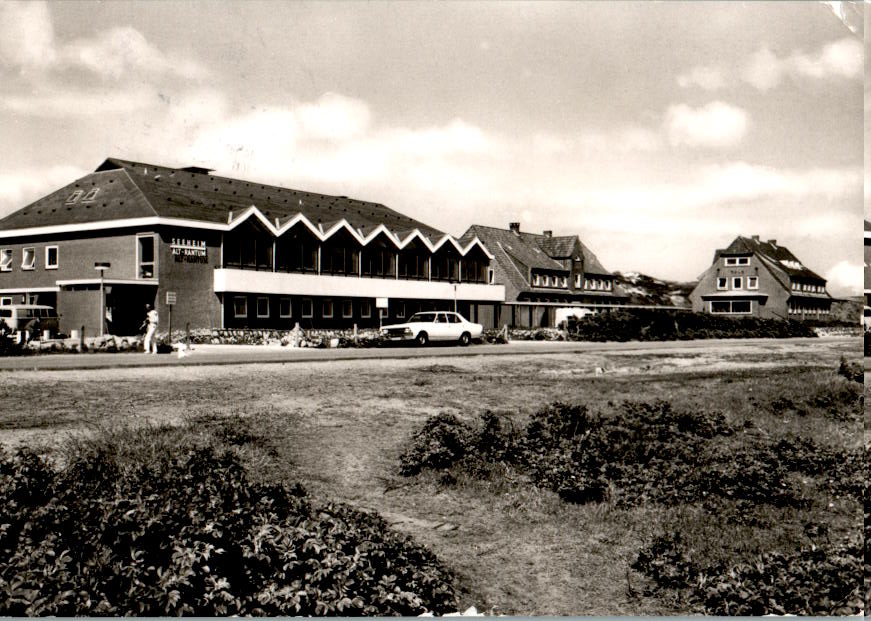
pixel 311 308
pixel 32 264
pixel 236 312
pixel 400 310
pixel 6 301
pixel 324 309
pixel 75 196
pixel 536 279
pixel 545 281
pixel 753 282
pixel 722 283
pixel 91 196
pixel 739 280
pixel 6 259
pixel 347 305
pixel 48 264
pixel 609 285
pixel 365 309
pixel 153 263
pixel 257 309
pixel 289 307
pixel 491 276
pixel 731 312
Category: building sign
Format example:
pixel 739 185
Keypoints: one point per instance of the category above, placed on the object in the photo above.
pixel 380 302
pixel 170 298
pixel 189 250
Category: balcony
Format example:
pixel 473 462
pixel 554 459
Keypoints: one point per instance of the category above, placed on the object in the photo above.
pixel 248 281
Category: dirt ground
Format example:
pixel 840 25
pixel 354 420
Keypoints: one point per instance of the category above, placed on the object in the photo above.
pixel 340 426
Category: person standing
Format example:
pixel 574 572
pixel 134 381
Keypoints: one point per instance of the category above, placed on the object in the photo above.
pixel 151 319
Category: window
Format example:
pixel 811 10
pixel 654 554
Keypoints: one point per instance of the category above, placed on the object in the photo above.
pixel 347 309
pixel 731 307
pixel 28 258
pixel 262 307
pixel 6 260
pixel 6 301
pixel 609 285
pixel 565 281
pixel 577 281
pixel 145 256
pixel 737 282
pixel 536 279
pixel 721 283
pixel 240 306
pixel 284 307
pixel 307 308
pixel 91 195
pixel 752 282
pixel 400 310
pixel 328 308
pixel 365 309
pixel 545 280
pixel 491 276
pixel 51 257
pixel 75 196
pixel 730 261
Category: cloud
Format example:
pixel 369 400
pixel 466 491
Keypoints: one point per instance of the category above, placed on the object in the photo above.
pixel 764 69
pixel 847 277
pixel 707 78
pixel 115 52
pixel 26 35
pixel 116 71
pixel 715 125
pixel 59 102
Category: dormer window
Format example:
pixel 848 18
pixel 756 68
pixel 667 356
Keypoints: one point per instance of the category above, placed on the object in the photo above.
pixel 6 260
pixel 733 261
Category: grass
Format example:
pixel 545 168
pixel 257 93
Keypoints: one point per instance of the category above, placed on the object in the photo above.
pixel 339 429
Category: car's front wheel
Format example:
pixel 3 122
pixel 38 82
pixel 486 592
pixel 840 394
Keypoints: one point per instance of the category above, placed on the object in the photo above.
pixel 421 339
pixel 465 339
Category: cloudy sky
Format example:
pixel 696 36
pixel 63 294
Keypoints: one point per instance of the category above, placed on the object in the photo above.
pixel 657 132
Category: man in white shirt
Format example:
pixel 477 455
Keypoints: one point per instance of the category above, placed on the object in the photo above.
pixel 151 318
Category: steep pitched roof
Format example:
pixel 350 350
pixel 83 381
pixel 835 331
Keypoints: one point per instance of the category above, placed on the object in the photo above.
pixel 778 256
pixel 133 189
pixel 516 253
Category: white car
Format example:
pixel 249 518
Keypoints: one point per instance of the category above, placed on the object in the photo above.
pixel 434 326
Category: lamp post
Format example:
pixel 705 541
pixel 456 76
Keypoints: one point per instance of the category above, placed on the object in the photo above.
pixel 102 266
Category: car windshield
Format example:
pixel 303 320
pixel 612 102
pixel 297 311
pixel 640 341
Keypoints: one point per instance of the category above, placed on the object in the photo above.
pixel 422 318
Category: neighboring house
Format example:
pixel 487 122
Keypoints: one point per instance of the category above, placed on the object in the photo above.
pixel 761 279
pixel 228 253
pixel 866 318
pixel 544 274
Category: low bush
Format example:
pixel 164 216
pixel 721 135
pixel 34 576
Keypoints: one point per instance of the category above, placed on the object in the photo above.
pixel 816 580
pixel 189 533
pixel 636 454
pixel 653 325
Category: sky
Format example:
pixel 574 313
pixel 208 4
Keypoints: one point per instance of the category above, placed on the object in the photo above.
pixel 657 132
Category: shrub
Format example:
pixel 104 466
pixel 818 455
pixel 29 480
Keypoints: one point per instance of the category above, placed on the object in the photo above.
pixel 189 533
pixel 820 580
pixel 654 325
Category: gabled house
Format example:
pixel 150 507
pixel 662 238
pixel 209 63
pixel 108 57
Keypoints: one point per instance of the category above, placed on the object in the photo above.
pixel 759 278
pixel 544 272
pixel 217 252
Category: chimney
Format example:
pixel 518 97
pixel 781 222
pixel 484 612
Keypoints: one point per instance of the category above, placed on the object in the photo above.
pixel 515 227
pixel 547 233
pixel 755 238
pixel 773 242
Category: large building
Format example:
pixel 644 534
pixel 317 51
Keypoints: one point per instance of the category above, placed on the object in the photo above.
pixel 759 278
pixel 544 273
pixel 228 253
